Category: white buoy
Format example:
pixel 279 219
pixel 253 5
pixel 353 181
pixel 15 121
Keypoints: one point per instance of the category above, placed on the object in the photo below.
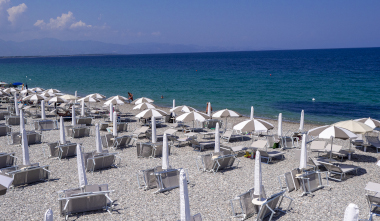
pixel 313 99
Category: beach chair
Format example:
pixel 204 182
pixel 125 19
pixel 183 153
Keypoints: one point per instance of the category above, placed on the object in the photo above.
pixel 89 198
pixel 311 181
pixel 3 114
pixel 374 205
pixel 228 136
pixel 140 131
pixel 290 180
pixel 13 120
pixel 341 169
pixel 62 151
pixel 32 137
pixel 167 180
pixel 150 150
pixel 259 144
pixel 4 129
pixel 84 120
pixel 216 162
pixel 271 206
pixel 97 161
pixel 270 155
pixel 318 146
pixel 42 125
pixel 337 151
pixel 26 175
pixel 120 142
pixel 146 179
pixel 78 132
pixel 103 126
pixel 289 142
pixel 374 142
pixel 7 160
pixel 107 142
pixel 202 145
pixel 242 206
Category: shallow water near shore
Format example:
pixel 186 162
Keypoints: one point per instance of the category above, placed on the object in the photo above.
pixel 344 82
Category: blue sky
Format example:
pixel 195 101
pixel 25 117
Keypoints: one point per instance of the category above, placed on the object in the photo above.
pixel 241 25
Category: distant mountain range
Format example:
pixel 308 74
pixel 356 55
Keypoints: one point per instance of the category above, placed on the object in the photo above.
pixel 55 47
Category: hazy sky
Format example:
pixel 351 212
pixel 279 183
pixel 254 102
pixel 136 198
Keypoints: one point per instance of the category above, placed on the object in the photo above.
pixel 239 24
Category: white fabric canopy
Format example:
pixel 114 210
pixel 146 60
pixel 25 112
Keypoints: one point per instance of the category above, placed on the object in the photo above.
pixel 192 116
pixel 279 128
pixel 225 113
pixel 143 106
pixel 62 136
pixel 354 126
pixel 253 125
pixel 258 176
pixel 302 120
pixel 114 101
pixel 96 96
pixel 183 108
pixel 303 158
pixel 165 153
pixel 25 148
pixel 184 197
pixel 98 141
pixel 118 97
pixel 114 130
pixel 48 215
pixel 43 115
pixel 142 100
pixel 328 131
pixel 81 169
pixel 151 113
pixel 73 117
pixel 154 135
pixel 58 100
pixel 370 122
pixel 217 139
pixel 351 213
pixel 53 91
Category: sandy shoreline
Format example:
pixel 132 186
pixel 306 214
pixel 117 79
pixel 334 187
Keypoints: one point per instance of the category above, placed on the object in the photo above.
pixel 209 193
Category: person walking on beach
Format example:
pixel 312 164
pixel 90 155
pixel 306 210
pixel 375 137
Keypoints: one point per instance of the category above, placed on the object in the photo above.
pixel 130 97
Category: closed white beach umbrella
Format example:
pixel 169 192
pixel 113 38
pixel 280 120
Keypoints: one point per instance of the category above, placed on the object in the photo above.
pixel 303 158
pixel 279 132
pixel 183 108
pixel 142 100
pixel 217 139
pixel 252 110
pixel 154 136
pixel 81 169
pixel 62 136
pixel 209 109
pixel 73 117
pixel 114 118
pixel 76 96
pixel 48 215
pixel 98 141
pixel 184 197
pixel 354 126
pixel 258 176
pixel 82 109
pixel 22 122
pixel 302 120
pixel 16 105
pixel 370 122
pixel 143 106
pixel 173 103
pixel 25 148
pixel 157 113
pixel 351 213
pixel 5 183
pixel 43 115
pixel 165 153
pixel 253 125
pixel 111 112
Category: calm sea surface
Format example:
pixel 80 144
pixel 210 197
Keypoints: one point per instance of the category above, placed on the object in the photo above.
pixel 344 82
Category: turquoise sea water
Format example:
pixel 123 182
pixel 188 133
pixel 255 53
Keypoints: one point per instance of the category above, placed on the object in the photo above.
pixel 344 82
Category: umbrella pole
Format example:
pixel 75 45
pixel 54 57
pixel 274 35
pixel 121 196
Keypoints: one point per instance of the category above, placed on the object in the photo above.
pixel 331 147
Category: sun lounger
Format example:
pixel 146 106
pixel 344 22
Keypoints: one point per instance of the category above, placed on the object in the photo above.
pixel 149 150
pixel 120 142
pixel 374 142
pixel 103 126
pixel 228 136
pixel 25 175
pixel 337 151
pixel 32 136
pixel 147 179
pixel 62 151
pixel 270 155
pixel 242 206
pixel 42 125
pixel 318 146
pixel 7 160
pixel 3 114
pixel 311 181
pixel 271 206
pixel 259 144
pixel 107 142
pixel 290 180
pixel 97 161
pixel 78 132
pixel 89 198
pixel 341 169
pixel 84 120
pixel 202 145
pixel 141 131
pixel 358 141
pixel 374 205
pixel 13 120
pixel 4 129
pixel 213 162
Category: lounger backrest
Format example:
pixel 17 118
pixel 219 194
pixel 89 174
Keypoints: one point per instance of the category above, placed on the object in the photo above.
pixel 7 160
pixel 53 149
pixel 335 148
pixel 146 150
pixel 103 126
pixel 248 207
pixel 373 140
pixel 318 145
pixel 143 130
pixel 30 176
pixel 373 200
pixel 106 140
pixel 270 141
pixel 194 142
pixel 263 153
pixel 313 182
pixel 294 172
pixel 260 144
pixel 158 150
pixel 197 217
pixel 104 161
pixel 170 131
pixel 227 134
pixel 289 182
pixel 3 130
pixel 271 203
pixel 332 167
pixel 68 150
pixel 288 142
pixel 83 203
pixel 170 179
pixel 224 162
pixel 207 162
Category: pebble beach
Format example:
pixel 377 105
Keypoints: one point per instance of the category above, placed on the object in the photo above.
pixel 209 193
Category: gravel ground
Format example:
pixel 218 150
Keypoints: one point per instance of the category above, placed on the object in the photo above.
pixel 209 193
